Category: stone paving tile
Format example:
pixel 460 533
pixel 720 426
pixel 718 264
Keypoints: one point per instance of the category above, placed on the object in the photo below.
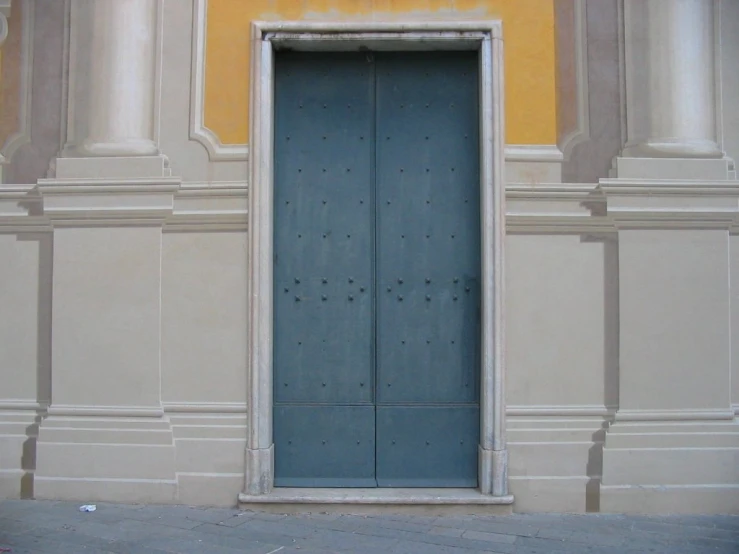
pixel 59 528
pixel 446 531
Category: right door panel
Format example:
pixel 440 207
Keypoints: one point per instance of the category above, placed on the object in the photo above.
pixel 427 269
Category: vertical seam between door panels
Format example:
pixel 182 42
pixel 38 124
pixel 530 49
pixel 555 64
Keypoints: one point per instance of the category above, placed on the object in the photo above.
pixel 373 226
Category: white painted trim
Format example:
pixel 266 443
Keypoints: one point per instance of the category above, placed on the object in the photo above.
pixel 380 497
pixel 533 153
pixel 547 208
pixel 493 462
pixel 198 131
pixel 230 215
pixel 13 405
pixel 582 132
pixel 563 411
pixel 204 408
pixel 642 416
pixel 105 411
pixel 23 135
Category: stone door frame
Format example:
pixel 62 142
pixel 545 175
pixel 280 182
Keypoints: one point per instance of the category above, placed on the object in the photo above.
pixel 266 38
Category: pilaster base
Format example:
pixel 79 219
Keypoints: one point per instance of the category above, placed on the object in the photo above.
pixel 556 458
pixel 260 471
pixel 485 465
pixel 18 432
pixel 106 458
pixel 663 467
pixel 672 499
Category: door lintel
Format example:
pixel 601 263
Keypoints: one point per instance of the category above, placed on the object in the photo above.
pixel 484 36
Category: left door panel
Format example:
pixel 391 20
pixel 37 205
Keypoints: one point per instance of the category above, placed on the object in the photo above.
pixel 324 415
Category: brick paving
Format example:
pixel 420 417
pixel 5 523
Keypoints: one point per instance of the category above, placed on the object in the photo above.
pixel 28 526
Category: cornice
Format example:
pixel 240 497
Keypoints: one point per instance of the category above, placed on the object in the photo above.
pixel 671 187
pixel 549 208
pixel 556 208
pixel 164 201
pixel 103 187
pixel 673 204
pixel 209 207
pixel 104 202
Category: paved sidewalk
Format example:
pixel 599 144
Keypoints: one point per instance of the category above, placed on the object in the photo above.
pixel 59 528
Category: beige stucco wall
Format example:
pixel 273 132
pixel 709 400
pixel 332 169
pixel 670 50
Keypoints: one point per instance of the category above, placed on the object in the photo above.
pixel 621 305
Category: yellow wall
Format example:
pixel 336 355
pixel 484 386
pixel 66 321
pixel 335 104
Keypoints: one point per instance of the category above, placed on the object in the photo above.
pixel 528 32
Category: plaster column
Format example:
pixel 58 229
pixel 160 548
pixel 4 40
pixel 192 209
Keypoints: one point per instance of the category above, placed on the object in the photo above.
pixel 670 81
pixel 122 70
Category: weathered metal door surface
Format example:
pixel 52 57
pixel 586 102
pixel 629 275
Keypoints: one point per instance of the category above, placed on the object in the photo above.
pixel 324 416
pixel 377 270
pixel 428 269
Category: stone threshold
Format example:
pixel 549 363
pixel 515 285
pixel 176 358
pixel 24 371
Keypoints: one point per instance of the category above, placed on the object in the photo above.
pixel 383 500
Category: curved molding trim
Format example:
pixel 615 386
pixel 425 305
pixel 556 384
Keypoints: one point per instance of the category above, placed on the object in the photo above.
pixel 217 151
pixel 582 132
pixel 533 153
pixel 3 28
pixel 4 15
pixel 23 135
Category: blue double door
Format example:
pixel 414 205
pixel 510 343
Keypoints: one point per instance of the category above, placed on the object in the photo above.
pixel 376 269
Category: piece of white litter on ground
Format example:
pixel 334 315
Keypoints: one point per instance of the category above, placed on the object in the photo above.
pixel 88 508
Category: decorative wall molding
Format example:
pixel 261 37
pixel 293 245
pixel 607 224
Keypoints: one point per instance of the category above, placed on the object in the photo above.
pixel 104 411
pixel 22 135
pixel 671 204
pixel 198 131
pixel 674 415
pixel 533 153
pixel 21 210
pixel 593 209
pixel 209 207
pixel 203 408
pixel 562 411
pixel 581 132
pixel 21 405
pixel 556 208
pixel 217 151
pixel 102 202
